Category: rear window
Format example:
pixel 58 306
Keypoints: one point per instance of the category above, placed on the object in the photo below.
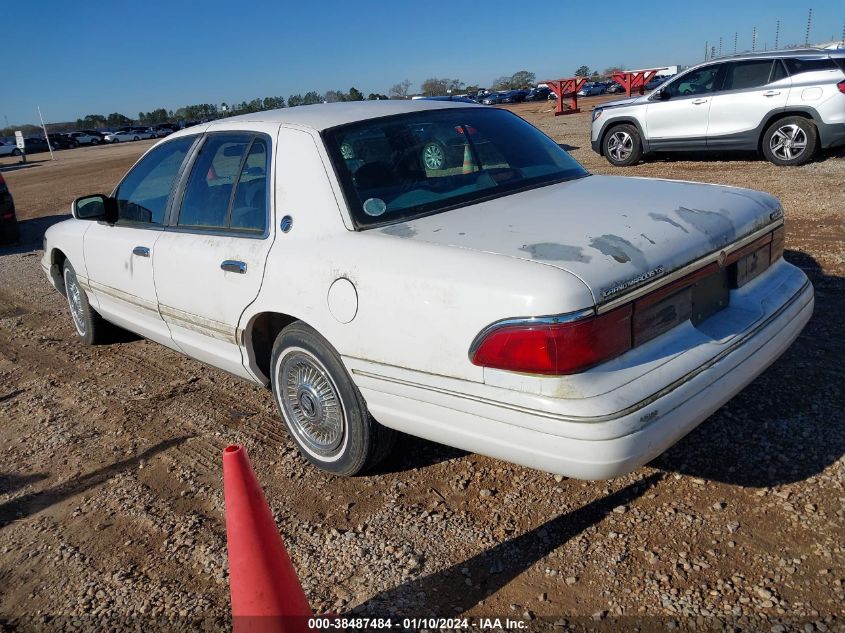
pixel 410 165
pixel 799 65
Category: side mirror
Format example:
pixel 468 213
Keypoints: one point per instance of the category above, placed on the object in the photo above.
pixel 95 207
pixel 662 95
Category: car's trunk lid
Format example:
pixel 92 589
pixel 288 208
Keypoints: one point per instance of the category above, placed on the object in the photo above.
pixel 614 233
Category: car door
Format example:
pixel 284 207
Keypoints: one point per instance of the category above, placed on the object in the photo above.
pixel 119 257
pixel 751 91
pixel 209 262
pixel 676 117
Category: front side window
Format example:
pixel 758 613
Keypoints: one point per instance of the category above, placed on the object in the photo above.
pixel 695 82
pixel 227 187
pixel 410 165
pixel 746 75
pixel 144 192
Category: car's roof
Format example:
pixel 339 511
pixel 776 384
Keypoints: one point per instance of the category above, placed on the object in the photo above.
pixel 327 115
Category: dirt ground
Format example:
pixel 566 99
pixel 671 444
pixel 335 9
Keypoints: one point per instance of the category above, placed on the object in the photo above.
pixel 111 507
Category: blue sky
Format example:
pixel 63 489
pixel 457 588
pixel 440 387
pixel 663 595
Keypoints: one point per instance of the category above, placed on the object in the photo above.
pixel 99 57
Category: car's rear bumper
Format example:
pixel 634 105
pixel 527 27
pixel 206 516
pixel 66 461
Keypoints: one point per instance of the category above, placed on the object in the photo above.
pixel 598 448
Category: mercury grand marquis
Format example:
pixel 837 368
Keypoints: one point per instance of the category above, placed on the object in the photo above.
pixel 507 302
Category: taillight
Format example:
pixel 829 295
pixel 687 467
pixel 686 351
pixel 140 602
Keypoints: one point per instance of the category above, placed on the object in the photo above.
pixel 537 347
pixel 8 216
pixel 841 86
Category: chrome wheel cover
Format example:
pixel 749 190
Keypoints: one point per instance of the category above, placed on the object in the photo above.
pixel 620 145
pixel 74 301
pixel 311 404
pixel 433 156
pixel 788 142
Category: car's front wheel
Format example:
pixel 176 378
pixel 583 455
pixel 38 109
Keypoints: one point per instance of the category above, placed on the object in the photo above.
pixel 323 410
pixel 790 141
pixel 90 326
pixel 136 139
pixel 622 146
pixel 95 141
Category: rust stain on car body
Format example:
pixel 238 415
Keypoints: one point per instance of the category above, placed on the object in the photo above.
pixel 619 249
pixel 551 251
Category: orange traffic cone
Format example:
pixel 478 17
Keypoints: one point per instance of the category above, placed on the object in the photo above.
pixel 469 164
pixel 266 593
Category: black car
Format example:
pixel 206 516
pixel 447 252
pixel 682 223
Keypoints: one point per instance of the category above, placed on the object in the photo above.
pixel 9 233
pixel 62 141
pixel 538 94
pixel 34 144
pixel 514 96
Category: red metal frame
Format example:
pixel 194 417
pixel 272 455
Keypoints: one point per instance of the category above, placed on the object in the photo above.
pixel 634 80
pixel 562 87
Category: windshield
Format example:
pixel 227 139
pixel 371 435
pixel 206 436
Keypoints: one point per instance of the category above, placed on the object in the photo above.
pixel 405 166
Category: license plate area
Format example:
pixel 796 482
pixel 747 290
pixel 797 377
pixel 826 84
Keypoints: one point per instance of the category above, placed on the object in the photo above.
pixel 704 296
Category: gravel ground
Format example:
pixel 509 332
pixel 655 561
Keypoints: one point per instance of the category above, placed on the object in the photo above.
pixel 111 507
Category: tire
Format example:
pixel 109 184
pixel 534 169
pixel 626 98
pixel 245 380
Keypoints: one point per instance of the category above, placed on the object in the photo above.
pixel 622 145
pixel 115 140
pixel 16 152
pixel 433 156
pixel 90 326
pixel 784 136
pixel 136 139
pixel 312 388
pixel 95 141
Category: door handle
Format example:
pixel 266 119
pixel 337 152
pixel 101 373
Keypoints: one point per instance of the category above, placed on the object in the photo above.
pixel 231 266
pixel 699 101
pixel 141 251
pixel 771 93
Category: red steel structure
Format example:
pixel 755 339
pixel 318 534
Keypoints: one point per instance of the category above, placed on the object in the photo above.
pixel 566 87
pixel 635 79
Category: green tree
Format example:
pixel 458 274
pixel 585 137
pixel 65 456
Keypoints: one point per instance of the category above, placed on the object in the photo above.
pixel 583 71
pixel 355 94
pixel 311 98
pixel 523 79
pixel 115 120
pixel 434 87
pixel 335 96
pixel 295 100
pixel 502 83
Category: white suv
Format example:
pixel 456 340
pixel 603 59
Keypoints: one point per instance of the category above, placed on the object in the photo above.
pixel 784 104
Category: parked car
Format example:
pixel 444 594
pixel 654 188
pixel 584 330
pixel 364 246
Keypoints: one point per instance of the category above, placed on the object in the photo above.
pixel 9 232
pixel 35 144
pixel 784 104
pixel 538 94
pixel 86 138
pixel 615 88
pixel 514 96
pixel 163 129
pixel 62 141
pixel 493 98
pixel 132 134
pixel 515 309
pixel 591 89
pixel 144 132
pixel 9 149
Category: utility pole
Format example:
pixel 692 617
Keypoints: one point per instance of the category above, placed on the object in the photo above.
pixel 809 22
pixel 706 49
pixel 754 39
pixel 777 33
pixel 712 52
pixel 736 39
pixel 720 46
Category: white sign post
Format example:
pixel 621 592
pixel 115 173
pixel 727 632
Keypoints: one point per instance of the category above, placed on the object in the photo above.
pixel 20 144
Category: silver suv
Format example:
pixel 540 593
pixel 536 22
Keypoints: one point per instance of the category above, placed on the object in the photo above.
pixel 785 104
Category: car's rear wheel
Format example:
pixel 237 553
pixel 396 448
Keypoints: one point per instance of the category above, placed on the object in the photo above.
pixel 623 146
pixel 90 326
pixel 323 410
pixel 95 141
pixel 16 152
pixel 136 139
pixel 790 141
pixel 434 156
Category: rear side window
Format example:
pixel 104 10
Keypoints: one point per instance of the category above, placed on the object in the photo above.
pixel 796 66
pixel 751 74
pixel 227 187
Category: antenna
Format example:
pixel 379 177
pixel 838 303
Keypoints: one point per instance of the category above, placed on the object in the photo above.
pixel 809 23
pixel 777 33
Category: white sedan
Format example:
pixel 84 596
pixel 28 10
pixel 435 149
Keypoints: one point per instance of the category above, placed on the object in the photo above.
pixel 9 149
pixel 129 135
pixel 507 302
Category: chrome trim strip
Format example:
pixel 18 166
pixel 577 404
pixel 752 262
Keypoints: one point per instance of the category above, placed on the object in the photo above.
pixel 567 317
pixel 189 321
pixel 685 270
pixel 610 416
pixel 114 293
